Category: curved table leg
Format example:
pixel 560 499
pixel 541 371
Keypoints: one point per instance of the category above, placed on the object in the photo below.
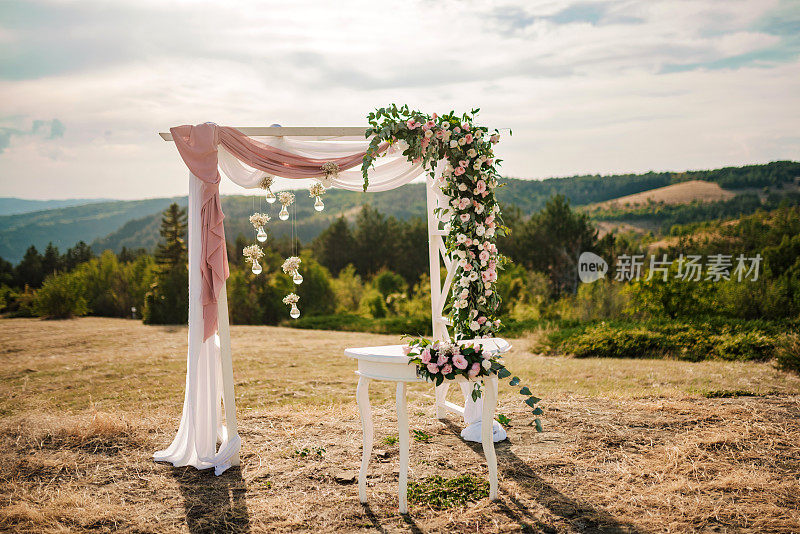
pixel 402 430
pixel 487 423
pixel 362 398
pixel 441 397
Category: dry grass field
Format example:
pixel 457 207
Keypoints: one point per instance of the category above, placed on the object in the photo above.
pixel 629 446
pixel 680 193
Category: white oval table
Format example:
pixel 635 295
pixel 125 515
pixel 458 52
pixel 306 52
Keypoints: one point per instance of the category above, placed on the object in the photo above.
pixel 388 362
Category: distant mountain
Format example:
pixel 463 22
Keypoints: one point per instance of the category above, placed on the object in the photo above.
pixel 134 224
pixel 13 206
pixel 66 226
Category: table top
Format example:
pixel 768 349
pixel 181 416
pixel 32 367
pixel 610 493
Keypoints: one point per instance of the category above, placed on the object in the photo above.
pixel 393 354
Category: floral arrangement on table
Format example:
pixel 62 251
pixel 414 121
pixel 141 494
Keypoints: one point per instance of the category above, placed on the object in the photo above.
pixel 469 179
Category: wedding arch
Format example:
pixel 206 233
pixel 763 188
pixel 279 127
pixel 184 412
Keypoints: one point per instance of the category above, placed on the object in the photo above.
pixel 391 153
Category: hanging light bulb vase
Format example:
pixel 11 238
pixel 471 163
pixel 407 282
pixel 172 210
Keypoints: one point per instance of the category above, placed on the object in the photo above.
pixel 297 278
pixel 266 183
pixel 291 300
pixel 252 253
pixel 291 266
pixel 316 191
pixel 286 198
pixel 259 220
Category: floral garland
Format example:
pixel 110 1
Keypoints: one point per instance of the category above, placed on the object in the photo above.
pixel 469 179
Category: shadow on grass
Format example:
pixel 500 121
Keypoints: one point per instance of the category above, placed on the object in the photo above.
pixel 376 522
pixel 213 503
pixel 580 515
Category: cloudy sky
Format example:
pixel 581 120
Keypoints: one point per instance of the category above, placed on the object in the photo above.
pixel 586 86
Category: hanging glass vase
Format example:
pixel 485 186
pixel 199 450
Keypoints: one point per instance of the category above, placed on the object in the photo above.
pixel 297 278
pixel 319 205
pixel 284 214
pixel 266 184
pixel 270 196
pixel 261 235
pixel 256 267
pixel 294 313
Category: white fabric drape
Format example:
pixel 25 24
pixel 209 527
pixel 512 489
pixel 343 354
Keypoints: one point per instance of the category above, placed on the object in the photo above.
pixel 391 170
pixel 201 426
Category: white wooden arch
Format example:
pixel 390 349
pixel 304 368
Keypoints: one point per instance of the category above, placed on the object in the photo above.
pixel 437 255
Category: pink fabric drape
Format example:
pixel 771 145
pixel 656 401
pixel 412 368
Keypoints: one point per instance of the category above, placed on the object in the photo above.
pixel 197 146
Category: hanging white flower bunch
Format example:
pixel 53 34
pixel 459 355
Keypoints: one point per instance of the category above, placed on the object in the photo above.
pixel 316 190
pixel 252 253
pixel 331 171
pixel 286 198
pixel 291 265
pixel 259 220
pixel 291 299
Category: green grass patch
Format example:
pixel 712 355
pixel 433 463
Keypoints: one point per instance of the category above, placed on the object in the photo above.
pixel 390 440
pixel 441 493
pixel 421 435
pixel 728 393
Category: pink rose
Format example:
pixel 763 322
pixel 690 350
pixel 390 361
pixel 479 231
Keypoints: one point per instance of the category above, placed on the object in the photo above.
pixel 494 139
pixel 465 126
pixel 468 138
pixel 434 116
pixel 406 350
pixel 463 163
pixel 442 360
pixel 457 129
pixel 481 319
pixel 460 361
pixel 411 124
pixel 489 219
pixel 484 255
pixel 447 369
pixel 468 267
pixel 480 187
pixel 491 224
pixel 430 124
pixel 464 217
pixel 432 368
pixel 474 370
pixel 426 355
pixel 459 171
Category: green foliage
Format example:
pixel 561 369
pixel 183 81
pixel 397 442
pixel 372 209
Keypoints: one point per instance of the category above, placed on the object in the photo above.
pixel 439 493
pixel 692 341
pixel 421 435
pixel 788 357
pixel 390 440
pixel 387 282
pixel 167 302
pixel 61 297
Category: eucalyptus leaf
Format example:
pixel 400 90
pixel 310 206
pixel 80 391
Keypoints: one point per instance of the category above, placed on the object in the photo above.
pixel 525 391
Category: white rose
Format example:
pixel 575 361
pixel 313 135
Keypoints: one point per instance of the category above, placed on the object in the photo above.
pixel 479 209
pixel 464 282
pixel 453 143
pixel 462 141
pixel 490 232
pixel 480 230
pixel 473 275
pixel 428 133
pixel 486 364
pixel 486 355
pixel 462 187
pixel 474 326
pixel 445 126
pixel 488 293
pixel 462 304
pixel 464 293
pixel 472 152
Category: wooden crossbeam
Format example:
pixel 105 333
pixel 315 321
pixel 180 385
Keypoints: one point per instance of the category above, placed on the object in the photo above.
pixel 295 131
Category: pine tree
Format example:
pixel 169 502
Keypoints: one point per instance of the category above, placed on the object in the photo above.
pixel 80 253
pixel 172 250
pixel 168 300
pixel 51 261
pixel 29 271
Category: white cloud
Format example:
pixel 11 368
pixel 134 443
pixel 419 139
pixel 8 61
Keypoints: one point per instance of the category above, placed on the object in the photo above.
pixel 585 89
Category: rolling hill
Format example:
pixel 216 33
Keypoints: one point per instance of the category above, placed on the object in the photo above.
pixel 13 206
pixel 134 224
